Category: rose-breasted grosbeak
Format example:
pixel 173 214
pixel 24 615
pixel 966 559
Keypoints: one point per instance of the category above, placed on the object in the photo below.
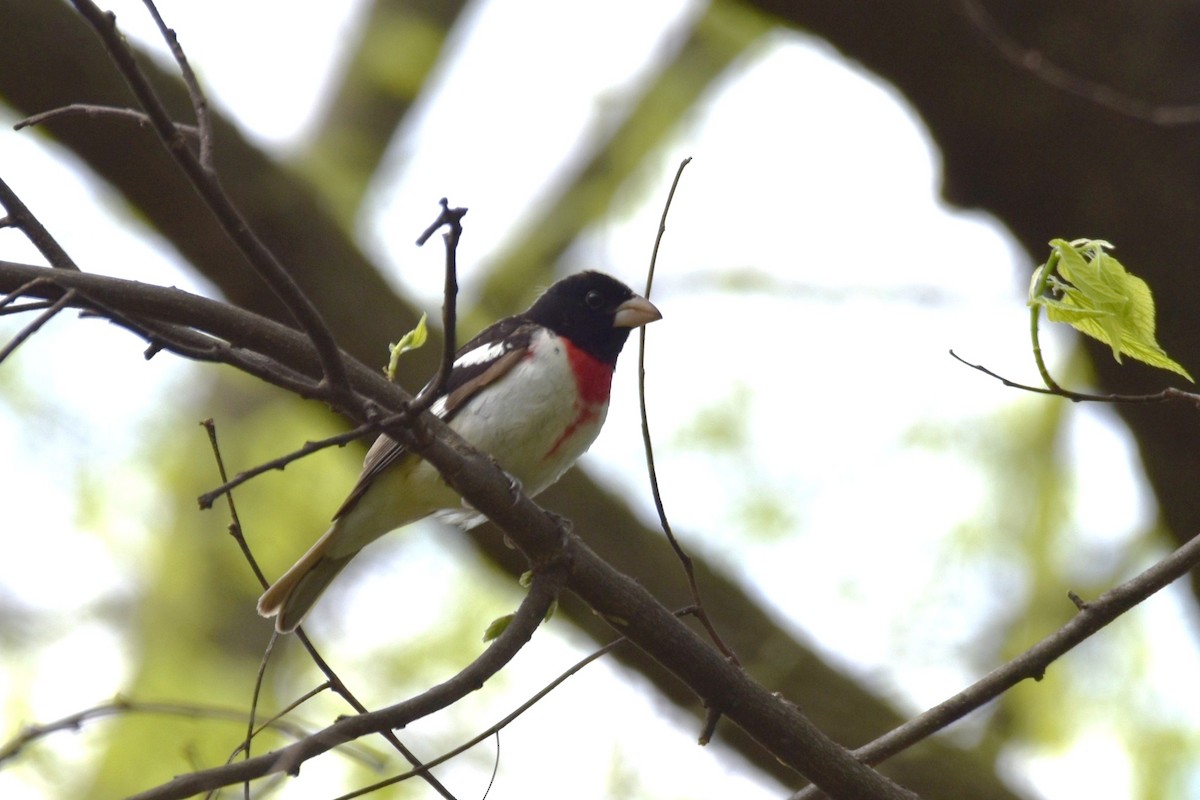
pixel 530 390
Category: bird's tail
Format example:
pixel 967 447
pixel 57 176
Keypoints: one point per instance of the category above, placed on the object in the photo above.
pixel 291 597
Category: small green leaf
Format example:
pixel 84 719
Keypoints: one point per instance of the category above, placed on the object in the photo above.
pixel 409 341
pixel 498 626
pixel 1085 287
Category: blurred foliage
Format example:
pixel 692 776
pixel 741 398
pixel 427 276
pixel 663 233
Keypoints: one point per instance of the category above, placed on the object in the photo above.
pixel 1024 548
pixel 187 625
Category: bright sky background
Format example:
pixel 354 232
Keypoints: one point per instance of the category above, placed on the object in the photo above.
pixel 804 166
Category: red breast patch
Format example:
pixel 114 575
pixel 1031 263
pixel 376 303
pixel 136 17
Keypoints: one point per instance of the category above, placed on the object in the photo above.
pixel 593 378
pixel 593 382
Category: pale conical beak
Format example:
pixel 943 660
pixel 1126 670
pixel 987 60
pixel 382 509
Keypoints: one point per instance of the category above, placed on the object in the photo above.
pixel 635 312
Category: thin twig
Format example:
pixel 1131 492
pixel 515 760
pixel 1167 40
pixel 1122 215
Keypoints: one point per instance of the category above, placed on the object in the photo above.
pixel 195 93
pixel 20 292
pixel 1026 58
pixel 647 440
pixel 451 218
pixel 73 722
pixel 257 254
pixel 207 499
pixel 498 726
pixel 333 679
pixel 21 218
pixel 1170 394
pixel 92 110
pixel 34 326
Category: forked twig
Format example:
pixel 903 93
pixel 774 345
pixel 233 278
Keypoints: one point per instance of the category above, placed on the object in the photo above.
pixel 451 219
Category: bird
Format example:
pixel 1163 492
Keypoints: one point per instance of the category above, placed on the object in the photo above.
pixel 530 390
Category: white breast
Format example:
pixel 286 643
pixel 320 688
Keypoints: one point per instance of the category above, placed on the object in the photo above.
pixel 523 417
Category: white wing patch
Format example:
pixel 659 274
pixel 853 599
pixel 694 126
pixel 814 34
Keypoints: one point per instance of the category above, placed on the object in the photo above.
pixel 438 409
pixel 480 355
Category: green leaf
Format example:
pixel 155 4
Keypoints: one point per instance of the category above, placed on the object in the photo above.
pixel 1085 287
pixel 497 627
pixel 409 341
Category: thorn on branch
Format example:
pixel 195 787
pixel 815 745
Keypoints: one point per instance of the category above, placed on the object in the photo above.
pixel 710 726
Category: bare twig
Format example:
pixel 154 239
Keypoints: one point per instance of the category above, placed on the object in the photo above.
pixel 1026 58
pixel 207 499
pixel 451 219
pixel 135 305
pixel 1170 394
pixel 195 93
pixel 257 254
pixel 34 326
pixel 73 722
pixel 91 110
pixel 21 218
pixel 680 553
pixel 498 726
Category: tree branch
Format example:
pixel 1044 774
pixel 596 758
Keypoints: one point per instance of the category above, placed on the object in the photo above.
pixel 1033 663
pixel 546 585
pixel 257 255
pixel 622 602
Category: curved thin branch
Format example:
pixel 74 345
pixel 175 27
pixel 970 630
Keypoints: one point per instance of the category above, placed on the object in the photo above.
pixel 36 325
pixel 1064 80
pixel 92 110
pixel 495 728
pixel 543 591
pixel 121 705
pixel 1170 394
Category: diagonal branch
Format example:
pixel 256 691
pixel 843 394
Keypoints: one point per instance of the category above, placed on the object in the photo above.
pixel 257 255
pixel 1033 663
pixel 543 591
pixel 20 217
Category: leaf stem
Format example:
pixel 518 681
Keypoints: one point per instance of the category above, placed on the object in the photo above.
pixel 1035 314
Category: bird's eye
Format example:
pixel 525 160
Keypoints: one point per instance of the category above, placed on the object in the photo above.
pixel 593 299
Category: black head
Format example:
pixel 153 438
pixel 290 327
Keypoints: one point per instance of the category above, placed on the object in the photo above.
pixel 595 311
